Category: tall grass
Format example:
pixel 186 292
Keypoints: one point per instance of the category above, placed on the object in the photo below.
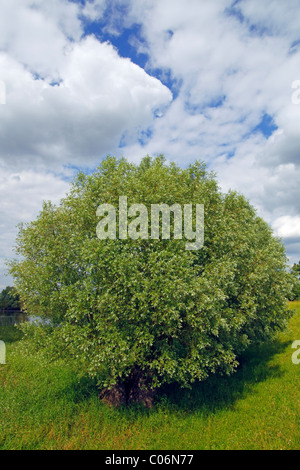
pixel 48 406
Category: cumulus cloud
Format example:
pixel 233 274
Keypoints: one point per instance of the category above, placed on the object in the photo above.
pixel 98 97
pixel 234 64
pixel 287 226
pixel 69 100
pixel 36 33
pixel 230 74
pixel 22 194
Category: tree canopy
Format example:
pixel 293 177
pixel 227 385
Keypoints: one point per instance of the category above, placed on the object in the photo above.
pixel 295 294
pixel 9 299
pixel 149 311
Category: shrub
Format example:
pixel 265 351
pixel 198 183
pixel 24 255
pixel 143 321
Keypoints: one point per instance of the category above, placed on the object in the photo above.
pixel 140 312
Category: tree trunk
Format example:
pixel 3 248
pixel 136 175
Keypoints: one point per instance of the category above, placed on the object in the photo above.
pixel 136 388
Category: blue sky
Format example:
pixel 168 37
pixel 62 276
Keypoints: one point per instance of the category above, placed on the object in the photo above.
pixel 192 80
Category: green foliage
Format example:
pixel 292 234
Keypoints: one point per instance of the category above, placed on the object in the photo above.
pixel 118 305
pixel 9 299
pixel 295 294
pixel 10 333
pixel 47 406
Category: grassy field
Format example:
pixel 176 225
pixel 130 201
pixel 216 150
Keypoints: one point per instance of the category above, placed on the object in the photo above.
pixel 47 406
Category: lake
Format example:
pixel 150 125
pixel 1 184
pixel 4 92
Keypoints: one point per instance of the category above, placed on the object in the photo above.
pixel 12 319
pixel 20 317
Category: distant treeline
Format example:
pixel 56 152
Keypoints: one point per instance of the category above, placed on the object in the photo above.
pixel 295 295
pixel 9 300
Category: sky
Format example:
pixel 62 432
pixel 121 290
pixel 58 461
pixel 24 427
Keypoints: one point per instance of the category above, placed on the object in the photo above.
pixel 217 81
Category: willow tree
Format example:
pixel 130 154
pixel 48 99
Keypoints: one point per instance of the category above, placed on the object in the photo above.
pixel 141 311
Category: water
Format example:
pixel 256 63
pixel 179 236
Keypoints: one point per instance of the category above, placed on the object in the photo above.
pixel 6 320
pixel 15 319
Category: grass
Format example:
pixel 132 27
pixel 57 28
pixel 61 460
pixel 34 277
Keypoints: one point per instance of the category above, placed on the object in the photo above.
pixel 47 406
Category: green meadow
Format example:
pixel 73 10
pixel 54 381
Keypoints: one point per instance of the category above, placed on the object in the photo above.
pixel 49 406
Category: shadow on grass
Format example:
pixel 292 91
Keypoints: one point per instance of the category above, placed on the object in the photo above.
pixel 10 334
pixel 219 392
pixel 81 390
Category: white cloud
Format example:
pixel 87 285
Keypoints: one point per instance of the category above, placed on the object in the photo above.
pixel 235 62
pixel 287 226
pixel 100 96
pixel 272 17
pixel 93 10
pixel 22 194
pixel 36 33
